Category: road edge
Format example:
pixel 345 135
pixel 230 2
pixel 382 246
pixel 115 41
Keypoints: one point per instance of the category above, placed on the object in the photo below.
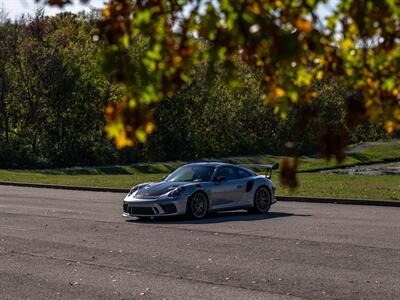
pixel 390 203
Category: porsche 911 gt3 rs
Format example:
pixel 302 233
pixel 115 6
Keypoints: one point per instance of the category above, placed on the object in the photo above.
pixel 198 188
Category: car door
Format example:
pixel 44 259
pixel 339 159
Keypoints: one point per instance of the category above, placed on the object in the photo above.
pixel 246 179
pixel 227 193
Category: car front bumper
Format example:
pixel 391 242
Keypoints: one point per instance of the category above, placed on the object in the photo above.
pixel 154 207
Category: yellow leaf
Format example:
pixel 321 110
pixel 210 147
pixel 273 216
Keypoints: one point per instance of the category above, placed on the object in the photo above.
pixel 304 77
pixel 125 40
pixel 106 13
pixel 112 130
pixel 346 44
pixel 150 126
pixel 121 140
pixel 304 25
pixel 177 59
pixel 396 114
pixel 279 92
pixel 294 96
pixel 141 135
pixel 161 65
pixel 184 77
pixel 256 8
pixel 132 103
pixel 109 110
pixel 389 126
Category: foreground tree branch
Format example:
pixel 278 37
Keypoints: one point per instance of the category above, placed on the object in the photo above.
pixel 284 40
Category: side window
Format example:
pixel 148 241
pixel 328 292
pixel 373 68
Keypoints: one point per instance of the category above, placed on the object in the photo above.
pixel 243 173
pixel 229 172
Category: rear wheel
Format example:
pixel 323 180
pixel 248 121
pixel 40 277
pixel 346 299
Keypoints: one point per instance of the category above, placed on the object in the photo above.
pixel 197 206
pixel 262 200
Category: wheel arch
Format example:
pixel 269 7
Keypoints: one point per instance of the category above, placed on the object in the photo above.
pixel 263 184
pixel 198 190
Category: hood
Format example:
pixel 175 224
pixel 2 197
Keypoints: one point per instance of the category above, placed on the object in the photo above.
pixel 156 189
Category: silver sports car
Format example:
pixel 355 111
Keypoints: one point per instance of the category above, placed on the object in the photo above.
pixel 198 188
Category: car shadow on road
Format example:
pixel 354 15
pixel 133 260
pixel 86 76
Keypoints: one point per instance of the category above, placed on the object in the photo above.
pixel 220 217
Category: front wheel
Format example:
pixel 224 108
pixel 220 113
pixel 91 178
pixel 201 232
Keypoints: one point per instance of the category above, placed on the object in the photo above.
pixel 197 206
pixel 262 200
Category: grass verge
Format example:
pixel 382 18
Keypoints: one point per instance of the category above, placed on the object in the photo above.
pixel 109 180
pixel 311 184
pixel 346 186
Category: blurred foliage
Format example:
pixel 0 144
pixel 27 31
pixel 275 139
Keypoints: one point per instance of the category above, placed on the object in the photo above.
pixel 284 40
pixel 53 95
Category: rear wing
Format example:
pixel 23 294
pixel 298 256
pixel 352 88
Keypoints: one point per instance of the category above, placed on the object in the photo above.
pixel 269 167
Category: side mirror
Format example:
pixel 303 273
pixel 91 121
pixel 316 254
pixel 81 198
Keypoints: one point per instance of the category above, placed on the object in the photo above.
pixel 220 179
pixel 275 166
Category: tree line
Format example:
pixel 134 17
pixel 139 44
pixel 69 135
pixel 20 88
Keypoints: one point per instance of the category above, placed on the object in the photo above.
pixel 53 94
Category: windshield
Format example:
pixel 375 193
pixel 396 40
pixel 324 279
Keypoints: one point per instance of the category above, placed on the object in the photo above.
pixel 191 173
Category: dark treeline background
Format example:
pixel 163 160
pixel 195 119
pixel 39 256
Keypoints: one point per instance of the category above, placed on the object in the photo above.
pixel 52 95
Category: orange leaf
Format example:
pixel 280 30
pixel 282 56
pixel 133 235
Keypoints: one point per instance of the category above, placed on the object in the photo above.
pixel 304 25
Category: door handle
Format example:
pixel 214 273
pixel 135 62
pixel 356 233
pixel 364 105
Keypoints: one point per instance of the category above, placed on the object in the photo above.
pixel 239 186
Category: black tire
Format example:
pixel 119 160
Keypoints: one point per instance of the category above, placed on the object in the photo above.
pixel 197 206
pixel 262 201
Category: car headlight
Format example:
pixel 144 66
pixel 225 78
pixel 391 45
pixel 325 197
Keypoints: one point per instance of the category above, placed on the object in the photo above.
pixel 134 189
pixel 176 192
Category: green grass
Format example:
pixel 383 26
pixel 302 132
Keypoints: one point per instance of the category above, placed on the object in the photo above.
pixel 372 153
pixel 311 184
pixel 378 152
pixel 109 180
pixel 345 186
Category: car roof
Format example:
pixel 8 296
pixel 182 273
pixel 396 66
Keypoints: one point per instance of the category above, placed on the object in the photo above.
pixel 214 164
pixel 207 163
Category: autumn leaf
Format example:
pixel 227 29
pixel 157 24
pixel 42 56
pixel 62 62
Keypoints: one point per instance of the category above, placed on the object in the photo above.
pixel 288 172
pixel 304 25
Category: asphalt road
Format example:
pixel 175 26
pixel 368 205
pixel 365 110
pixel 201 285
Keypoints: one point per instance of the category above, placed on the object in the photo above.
pixel 62 244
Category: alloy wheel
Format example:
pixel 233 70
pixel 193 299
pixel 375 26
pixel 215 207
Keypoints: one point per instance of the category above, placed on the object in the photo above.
pixel 198 205
pixel 263 199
